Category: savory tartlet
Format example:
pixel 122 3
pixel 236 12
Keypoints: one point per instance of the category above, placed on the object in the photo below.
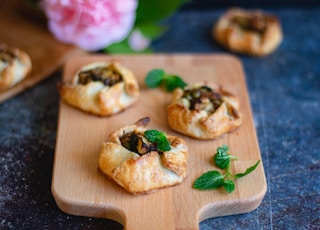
pixel 139 165
pixel 251 32
pixel 101 88
pixel 203 111
pixel 15 65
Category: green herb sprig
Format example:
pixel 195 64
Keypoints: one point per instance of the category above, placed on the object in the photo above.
pixel 214 179
pixel 157 77
pixel 158 137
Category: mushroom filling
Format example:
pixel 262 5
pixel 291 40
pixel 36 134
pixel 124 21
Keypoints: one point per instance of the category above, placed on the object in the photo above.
pixel 203 98
pixel 137 143
pixel 6 56
pixel 255 23
pixel 106 75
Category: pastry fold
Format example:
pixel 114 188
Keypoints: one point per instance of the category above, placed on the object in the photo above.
pixel 96 95
pixel 205 115
pixel 142 173
pixel 15 65
pixel 251 32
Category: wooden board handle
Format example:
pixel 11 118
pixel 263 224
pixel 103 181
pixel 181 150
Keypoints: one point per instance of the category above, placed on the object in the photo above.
pixel 161 220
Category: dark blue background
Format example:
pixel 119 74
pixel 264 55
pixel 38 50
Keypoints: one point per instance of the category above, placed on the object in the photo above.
pixel 213 4
pixel 284 91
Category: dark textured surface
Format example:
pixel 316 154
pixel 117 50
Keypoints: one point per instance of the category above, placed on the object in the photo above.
pixel 284 90
pixel 213 4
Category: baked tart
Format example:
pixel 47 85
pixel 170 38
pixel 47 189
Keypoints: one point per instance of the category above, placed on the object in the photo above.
pixel 203 111
pixel 251 32
pixel 15 65
pixel 141 165
pixel 101 88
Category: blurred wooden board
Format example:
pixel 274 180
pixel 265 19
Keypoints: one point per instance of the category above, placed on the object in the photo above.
pixel 80 189
pixel 25 28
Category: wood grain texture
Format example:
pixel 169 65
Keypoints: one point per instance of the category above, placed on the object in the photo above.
pixel 25 28
pixel 80 189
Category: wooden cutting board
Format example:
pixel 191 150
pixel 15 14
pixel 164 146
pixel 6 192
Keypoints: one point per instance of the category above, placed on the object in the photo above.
pixel 24 27
pixel 80 189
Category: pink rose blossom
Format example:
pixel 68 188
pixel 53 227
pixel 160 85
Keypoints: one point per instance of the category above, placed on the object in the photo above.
pixel 90 24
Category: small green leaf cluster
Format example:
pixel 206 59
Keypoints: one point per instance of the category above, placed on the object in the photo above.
pixel 149 17
pixel 157 77
pixel 158 137
pixel 214 179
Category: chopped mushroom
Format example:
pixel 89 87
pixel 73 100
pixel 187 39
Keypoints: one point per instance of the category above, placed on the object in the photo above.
pixel 137 143
pixel 256 23
pixel 203 98
pixel 106 75
pixel 6 55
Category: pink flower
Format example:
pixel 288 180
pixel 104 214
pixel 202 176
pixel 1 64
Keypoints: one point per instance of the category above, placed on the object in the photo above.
pixel 90 24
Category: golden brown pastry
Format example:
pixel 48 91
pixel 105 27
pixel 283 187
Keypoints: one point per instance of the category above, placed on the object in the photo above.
pixel 102 89
pixel 203 111
pixel 15 65
pixel 137 164
pixel 250 32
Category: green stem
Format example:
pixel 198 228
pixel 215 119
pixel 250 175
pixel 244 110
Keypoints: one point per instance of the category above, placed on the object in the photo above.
pixel 228 174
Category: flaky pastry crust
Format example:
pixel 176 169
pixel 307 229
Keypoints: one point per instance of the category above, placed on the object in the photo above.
pixel 145 173
pixel 206 120
pixel 15 65
pixel 251 32
pixel 96 97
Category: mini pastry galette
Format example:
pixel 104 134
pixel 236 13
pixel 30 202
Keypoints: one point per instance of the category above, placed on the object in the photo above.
pixel 15 65
pixel 102 89
pixel 249 32
pixel 203 111
pixel 137 164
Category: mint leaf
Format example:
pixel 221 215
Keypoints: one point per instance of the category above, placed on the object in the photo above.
pixel 158 137
pixel 222 157
pixel 248 170
pixel 154 78
pixel 214 179
pixel 228 185
pixel 209 180
pixel 163 144
pixel 173 81
pixel 152 135
pixel 223 150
